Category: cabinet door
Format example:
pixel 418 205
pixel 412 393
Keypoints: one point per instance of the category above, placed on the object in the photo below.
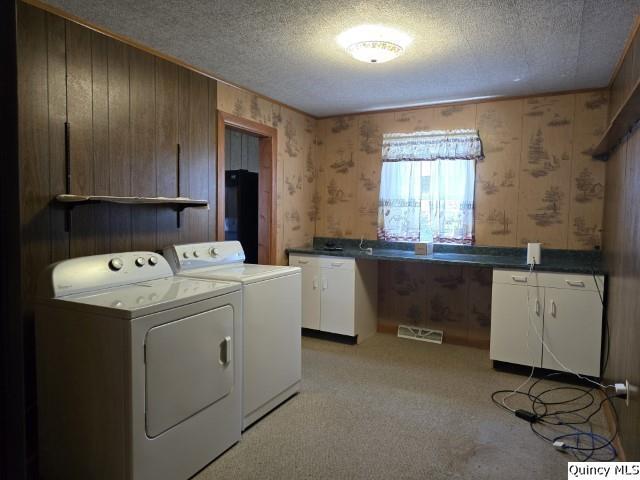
pixel 310 291
pixel 516 324
pixel 338 297
pixel 572 330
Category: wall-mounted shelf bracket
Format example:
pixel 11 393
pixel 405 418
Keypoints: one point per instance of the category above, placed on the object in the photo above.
pixel 177 203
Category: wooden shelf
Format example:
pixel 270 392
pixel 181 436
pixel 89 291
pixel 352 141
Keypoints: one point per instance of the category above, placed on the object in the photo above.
pixel 621 124
pixel 178 203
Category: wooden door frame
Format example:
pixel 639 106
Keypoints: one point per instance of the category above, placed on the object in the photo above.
pixel 267 180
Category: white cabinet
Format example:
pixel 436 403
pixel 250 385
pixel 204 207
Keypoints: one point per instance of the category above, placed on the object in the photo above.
pixel 572 330
pixel 310 291
pixel 513 325
pixel 339 295
pixel 549 320
pixel 337 304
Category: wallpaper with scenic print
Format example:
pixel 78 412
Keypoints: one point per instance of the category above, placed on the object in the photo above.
pixel 537 181
pixel 295 210
pixel 453 299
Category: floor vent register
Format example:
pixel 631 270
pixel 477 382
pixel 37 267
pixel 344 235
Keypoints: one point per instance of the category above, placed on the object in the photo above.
pixel 419 333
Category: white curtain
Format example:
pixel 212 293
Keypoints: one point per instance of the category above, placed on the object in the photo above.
pixel 450 208
pixel 427 186
pixel 432 145
pixel 400 202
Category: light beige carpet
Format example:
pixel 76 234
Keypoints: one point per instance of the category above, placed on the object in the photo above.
pixel 392 409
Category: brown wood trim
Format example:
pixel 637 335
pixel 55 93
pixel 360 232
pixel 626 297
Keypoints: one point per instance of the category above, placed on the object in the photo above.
pixel 133 43
pixel 621 123
pixel 386 328
pixel 274 197
pixel 625 50
pixel 268 148
pixel 220 178
pixel 496 98
pixel 247 125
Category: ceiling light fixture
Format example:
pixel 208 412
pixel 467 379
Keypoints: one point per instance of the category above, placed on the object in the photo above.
pixel 374 43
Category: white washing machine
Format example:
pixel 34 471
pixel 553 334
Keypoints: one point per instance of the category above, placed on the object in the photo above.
pixel 272 310
pixel 138 370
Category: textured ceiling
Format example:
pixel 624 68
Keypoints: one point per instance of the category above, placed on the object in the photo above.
pixel 461 49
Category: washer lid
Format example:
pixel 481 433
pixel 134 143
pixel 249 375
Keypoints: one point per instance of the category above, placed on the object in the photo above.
pixel 144 298
pixel 243 272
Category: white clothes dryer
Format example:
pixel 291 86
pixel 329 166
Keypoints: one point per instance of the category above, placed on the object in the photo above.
pixel 138 371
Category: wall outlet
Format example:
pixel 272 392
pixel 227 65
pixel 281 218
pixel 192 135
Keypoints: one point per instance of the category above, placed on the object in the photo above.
pixel 534 254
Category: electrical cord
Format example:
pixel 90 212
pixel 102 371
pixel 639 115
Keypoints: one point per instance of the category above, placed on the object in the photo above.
pixel 583 444
pixel 598 442
pixel 553 422
pixel 607 331
pixel 516 390
pixel 564 367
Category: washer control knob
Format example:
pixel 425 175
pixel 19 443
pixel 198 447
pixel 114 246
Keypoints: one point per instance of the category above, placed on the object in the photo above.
pixel 140 261
pixel 185 254
pixel 213 251
pixel 196 254
pixel 153 261
pixel 115 264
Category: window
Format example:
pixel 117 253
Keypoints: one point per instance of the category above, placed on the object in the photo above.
pixel 427 186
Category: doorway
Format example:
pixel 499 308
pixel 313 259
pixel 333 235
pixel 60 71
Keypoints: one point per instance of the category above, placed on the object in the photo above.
pixel 246 196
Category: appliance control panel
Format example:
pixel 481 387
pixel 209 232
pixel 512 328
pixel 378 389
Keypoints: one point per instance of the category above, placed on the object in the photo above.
pixel 84 274
pixel 206 254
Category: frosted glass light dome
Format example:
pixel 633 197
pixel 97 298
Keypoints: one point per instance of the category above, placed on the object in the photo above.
pixel 374 43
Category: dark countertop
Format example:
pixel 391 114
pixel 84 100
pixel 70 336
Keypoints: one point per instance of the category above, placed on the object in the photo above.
pixel 570 261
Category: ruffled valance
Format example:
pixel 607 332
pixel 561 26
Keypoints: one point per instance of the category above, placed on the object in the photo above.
pixel 432 145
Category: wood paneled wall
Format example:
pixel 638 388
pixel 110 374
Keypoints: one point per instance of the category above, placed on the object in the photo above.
pixel 621 244
pixel 622 255
pixel 12 405
pixel 627 75
pixel 127 113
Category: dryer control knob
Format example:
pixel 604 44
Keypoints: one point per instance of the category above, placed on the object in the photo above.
pixel 213 251
pixel 153 261
pixel 140 261
pixel 196 254
pixel 185 254
pixel 115 264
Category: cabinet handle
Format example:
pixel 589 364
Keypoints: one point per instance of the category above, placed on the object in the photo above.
pixel 337 264
pixel 225 351
pixel 303 262
pixel 519 279
pixel 553 308
pixel 325 284
pixel 315 283
pixel 537 307
pixel 575 283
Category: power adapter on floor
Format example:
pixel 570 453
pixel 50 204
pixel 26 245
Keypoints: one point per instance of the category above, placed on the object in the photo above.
pixel 526 415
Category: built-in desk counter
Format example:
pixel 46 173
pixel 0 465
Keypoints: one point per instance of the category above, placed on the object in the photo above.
pixel 566 261
pixel 340 295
